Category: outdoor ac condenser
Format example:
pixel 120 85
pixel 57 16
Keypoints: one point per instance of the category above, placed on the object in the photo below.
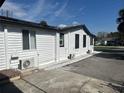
pixel 89 51
pixel 26 63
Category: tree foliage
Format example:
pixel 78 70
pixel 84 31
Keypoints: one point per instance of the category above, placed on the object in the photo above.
pixel 43 23
pixel 120 21
pixel 1 2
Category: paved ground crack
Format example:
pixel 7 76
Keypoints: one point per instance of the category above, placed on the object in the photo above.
pixel 34 85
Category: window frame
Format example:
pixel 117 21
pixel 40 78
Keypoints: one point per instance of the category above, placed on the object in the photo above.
pixel 77 38
pixel 29 41
pixel 63 39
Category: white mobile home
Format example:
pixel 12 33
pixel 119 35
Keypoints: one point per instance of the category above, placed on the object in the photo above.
pixel 26 44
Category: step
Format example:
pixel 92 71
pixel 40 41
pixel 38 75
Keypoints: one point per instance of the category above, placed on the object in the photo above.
pixel 9 75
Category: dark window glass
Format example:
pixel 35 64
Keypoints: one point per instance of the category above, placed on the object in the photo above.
pixel 61 40
pixel 84 40
pixel 25 35
pixel 76 41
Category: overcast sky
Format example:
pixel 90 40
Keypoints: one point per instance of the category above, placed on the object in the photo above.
pixel 98 15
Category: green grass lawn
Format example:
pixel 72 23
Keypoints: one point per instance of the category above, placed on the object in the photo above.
pixel 106 48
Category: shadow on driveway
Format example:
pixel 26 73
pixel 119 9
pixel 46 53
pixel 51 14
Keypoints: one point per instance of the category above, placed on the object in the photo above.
pixel 119 88
pixel 8 87
pixel 111 55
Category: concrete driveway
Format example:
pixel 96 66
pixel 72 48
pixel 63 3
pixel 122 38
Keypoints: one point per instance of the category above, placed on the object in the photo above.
pixel 59 81
pixel 108 66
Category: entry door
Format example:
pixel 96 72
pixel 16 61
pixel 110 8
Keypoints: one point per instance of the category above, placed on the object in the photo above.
pixel 63 46
pixel 74 43
pixel 2 51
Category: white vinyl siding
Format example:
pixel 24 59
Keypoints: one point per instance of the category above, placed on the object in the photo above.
pixel 81 50
pixel 46 46
pixel 15 46
pixel 2 51
pixel 44 53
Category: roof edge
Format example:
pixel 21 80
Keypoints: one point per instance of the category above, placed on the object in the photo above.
pixel 80 27
pixel 24 22
pixel 33 24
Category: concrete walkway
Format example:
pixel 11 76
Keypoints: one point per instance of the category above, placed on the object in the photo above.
pixel 57 81
pixel 67 62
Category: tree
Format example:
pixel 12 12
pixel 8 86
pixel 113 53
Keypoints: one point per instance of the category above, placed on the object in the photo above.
pixel 120 20
pixel 1 2
pixel 43 23
pixel 101 35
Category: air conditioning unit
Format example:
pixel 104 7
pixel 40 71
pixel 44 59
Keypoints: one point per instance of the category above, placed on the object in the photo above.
pixel 26 63
pixel 71 56
pixel 89 51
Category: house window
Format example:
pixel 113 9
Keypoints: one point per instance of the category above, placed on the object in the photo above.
pixel 91 41
pixel 25 35
pixel 29 40
pixel 61 40
pixel 84 40
pixel 76 41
